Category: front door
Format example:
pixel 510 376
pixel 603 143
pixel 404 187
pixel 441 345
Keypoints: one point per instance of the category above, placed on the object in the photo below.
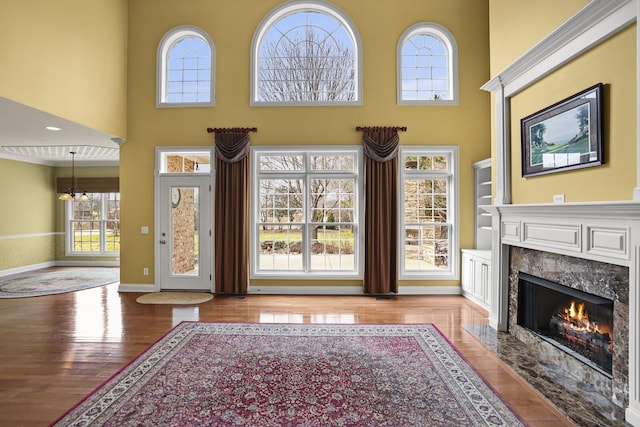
pixel 185 245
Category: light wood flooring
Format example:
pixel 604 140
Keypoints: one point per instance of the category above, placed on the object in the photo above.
pixel 54 350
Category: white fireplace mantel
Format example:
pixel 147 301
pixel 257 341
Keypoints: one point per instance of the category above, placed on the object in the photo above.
pixel 601 231
pixel 608 232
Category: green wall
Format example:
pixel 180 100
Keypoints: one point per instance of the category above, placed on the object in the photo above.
pixel 32 217
pixel 27 217
pixel 380 24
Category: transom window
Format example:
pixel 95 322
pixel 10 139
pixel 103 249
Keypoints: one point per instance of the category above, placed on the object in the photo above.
pixel 306 52
pixel 428 239
pixel 427 66
pixel 93 226
pixel 185 68
pixel 306 213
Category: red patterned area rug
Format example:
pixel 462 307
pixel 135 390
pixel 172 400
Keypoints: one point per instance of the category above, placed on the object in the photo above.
pixel 230 374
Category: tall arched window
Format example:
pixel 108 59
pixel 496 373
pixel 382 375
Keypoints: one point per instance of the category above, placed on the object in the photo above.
pixel 186 66
pixel 306 53
pixel 427 66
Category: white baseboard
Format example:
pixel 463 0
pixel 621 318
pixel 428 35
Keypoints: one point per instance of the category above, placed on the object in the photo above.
pixel 76 263
pixel 349 290
pixel 633 416
pixel 305 290
pixel 26 268
pixel 136 287
pixel 429 290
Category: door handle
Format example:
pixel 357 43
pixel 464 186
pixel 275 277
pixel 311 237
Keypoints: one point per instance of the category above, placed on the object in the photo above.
pixel 162 242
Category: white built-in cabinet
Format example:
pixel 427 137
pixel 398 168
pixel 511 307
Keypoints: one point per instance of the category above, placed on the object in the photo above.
pixel 482 185
pixel 476 276
pixel 476 262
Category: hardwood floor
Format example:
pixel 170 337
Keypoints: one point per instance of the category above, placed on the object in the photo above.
pixel 54 350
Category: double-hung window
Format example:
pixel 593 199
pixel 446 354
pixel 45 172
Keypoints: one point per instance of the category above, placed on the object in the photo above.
pixel 306 212
pixel 428 218
pixel 93 226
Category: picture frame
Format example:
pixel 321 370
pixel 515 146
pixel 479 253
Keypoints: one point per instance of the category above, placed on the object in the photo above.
pixel 564 136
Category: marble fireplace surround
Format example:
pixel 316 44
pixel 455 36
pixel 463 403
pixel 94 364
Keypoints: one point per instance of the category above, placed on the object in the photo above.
pixel 553 234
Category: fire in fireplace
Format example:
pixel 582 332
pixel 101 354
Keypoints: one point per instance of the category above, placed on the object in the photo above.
pixel 577 322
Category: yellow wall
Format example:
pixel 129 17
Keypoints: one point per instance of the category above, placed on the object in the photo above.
pixel 614 64
pixel 516 26
pixel 27 214
pixel 68 58
pixel 231 25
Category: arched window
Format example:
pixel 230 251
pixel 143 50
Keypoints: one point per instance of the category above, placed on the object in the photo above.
pixel 306 53
pixel 427 66
pixel 186 66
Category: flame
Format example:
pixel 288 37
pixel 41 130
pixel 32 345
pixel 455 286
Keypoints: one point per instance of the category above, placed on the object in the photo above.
pixel 578 318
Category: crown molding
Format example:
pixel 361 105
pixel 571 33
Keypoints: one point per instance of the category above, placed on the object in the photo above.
pixel 592 24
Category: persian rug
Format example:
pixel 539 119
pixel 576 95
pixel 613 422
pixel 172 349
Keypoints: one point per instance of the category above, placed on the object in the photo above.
pixel 184 298
pixel 57 281
pixel 233 374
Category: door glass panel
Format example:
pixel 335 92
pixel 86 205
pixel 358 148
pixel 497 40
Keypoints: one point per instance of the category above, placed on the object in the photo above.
pixel 184 231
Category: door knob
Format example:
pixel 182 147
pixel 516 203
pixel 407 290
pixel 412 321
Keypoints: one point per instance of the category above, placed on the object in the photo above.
pixel 162 242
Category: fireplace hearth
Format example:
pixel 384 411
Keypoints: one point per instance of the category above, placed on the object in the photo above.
pixel 577 322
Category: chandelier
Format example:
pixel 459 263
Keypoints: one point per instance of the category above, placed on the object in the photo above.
pixel 70 193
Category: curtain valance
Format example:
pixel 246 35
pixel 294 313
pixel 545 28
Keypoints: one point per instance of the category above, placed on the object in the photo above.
pixel 90 185
pixel 381 143
pixel 231 144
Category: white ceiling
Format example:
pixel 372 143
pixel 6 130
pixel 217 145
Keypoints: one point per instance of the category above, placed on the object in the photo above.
pixel 24 137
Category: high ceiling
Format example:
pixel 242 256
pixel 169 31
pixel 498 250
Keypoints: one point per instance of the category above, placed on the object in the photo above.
pixel 24 136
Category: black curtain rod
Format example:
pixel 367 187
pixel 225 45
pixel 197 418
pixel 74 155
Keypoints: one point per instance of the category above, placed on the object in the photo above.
pixel 370 128
pixel 211 130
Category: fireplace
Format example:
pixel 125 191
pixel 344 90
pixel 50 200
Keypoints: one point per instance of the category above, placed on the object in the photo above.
pixel 593 247
pixel 574 321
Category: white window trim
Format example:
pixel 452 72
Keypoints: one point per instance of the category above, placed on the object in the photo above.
pixel 68 233
pixel 161 65
pixel 183 150
pixel 306 151
pixel 302 6
pixel 453 212
pixel 452 48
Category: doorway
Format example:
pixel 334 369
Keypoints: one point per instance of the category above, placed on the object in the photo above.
pixel 184 222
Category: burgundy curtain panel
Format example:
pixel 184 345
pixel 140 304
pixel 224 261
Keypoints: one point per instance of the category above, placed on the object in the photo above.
pixel 381 217
pixel 231 210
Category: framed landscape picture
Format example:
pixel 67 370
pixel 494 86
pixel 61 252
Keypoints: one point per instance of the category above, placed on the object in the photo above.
pixel 566 135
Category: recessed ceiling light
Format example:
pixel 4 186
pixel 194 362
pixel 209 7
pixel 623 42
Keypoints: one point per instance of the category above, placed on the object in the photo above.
pixel 53 128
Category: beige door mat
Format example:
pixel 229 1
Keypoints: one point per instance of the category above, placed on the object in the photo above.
pixel 184 298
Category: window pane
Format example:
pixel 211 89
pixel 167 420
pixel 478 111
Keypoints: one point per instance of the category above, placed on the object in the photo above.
pixel 185 244
pixel 424 59
pixel 188 60
pixel 280 247
pixel 426 248
pixel 332 247
pixel 333 163
pixel 426 163
pixel 282 163
pixel 332 200
pixel 306 56
pixel 95 224
pixel 281 200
